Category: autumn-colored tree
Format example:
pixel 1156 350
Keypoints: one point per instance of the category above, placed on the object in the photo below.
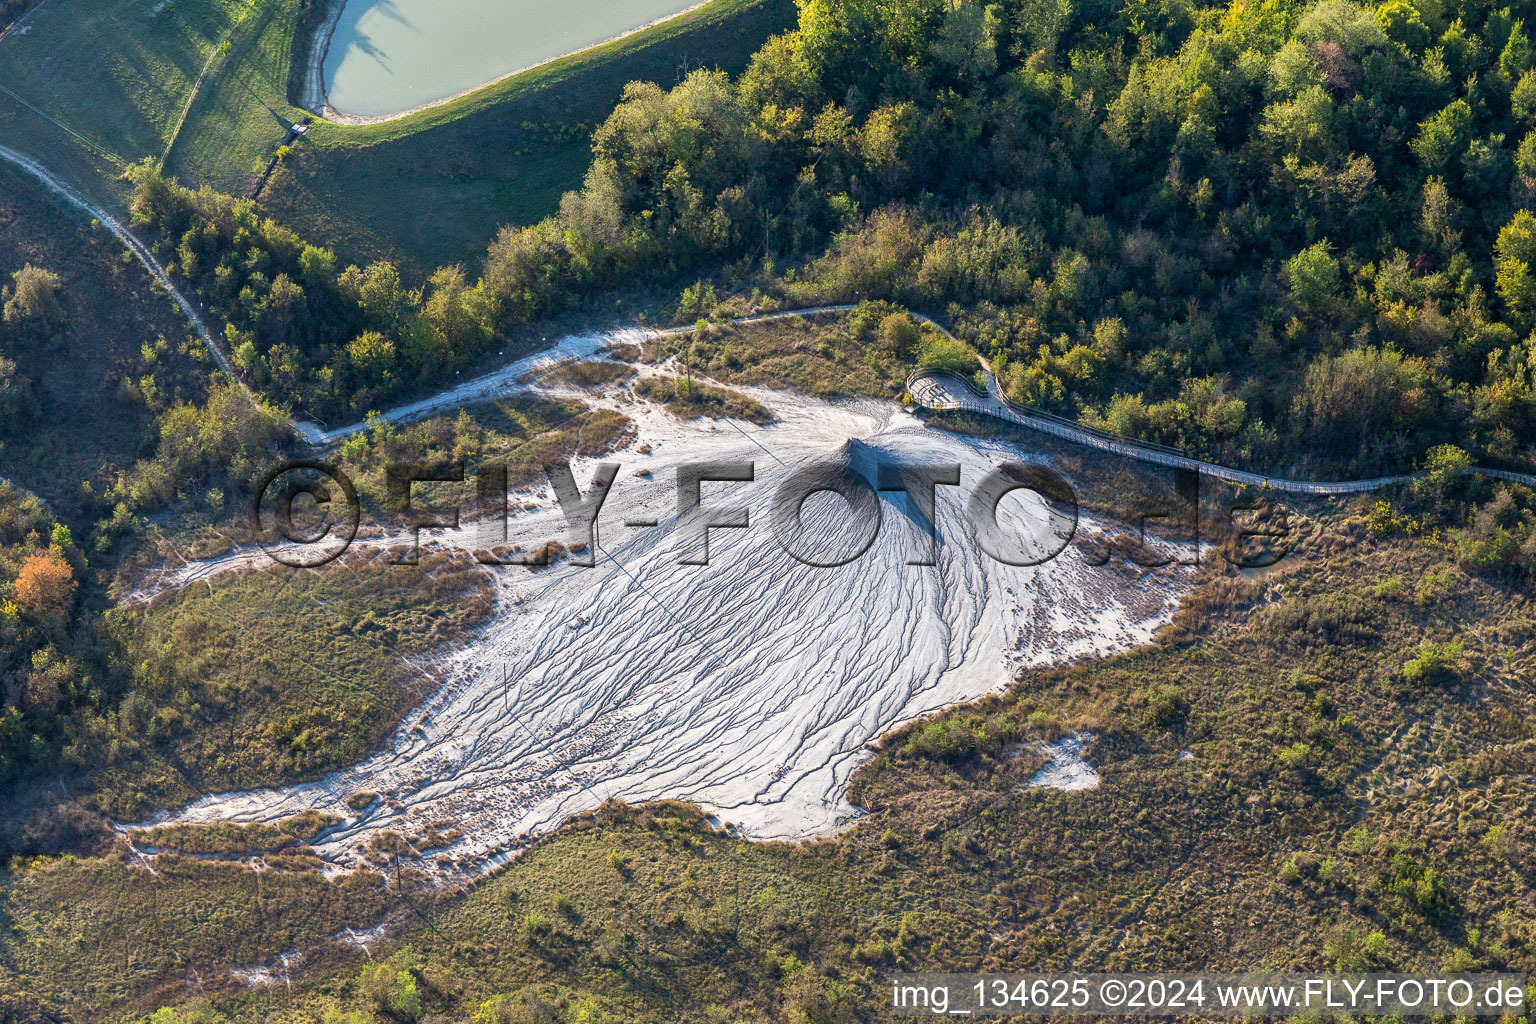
pixel 45 584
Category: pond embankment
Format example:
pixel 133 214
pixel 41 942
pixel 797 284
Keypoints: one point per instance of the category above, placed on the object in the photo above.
pixel 316 27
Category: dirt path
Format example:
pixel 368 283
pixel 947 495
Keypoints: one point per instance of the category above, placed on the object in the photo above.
pixel 308 431
pixel 932 389
pixel 136 247
pixel 506 380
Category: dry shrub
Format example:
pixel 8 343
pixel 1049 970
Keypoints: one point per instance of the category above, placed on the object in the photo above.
pixel 588 374
pixel 1207 605
pixel 45 585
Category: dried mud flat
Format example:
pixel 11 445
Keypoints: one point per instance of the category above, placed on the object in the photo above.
pixel 751 686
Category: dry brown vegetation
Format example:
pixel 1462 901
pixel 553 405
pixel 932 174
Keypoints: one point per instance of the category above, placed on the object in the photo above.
pixel 688 399
pixel 829 356
pixel 592 373
pixel 1336 811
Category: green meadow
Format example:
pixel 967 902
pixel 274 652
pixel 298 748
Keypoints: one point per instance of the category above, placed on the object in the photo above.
pixel 202 87
pixel 108 81
pixel 432 188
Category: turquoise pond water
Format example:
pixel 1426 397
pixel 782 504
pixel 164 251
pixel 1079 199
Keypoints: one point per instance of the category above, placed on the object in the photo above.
pixel 388 56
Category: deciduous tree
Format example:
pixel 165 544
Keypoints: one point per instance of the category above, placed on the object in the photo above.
pixel 45 585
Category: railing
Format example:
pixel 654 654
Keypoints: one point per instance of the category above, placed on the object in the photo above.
pixel 1039 419
pixel 973 399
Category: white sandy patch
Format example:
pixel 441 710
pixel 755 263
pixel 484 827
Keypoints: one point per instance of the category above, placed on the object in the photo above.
pixel 268 975
pixel 1067 768
pixel 496 384
pixel 749 686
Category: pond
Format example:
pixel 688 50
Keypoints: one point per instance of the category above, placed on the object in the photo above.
pixel 391 56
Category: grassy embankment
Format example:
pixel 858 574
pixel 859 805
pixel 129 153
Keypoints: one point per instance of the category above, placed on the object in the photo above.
pixel 687 398
pixel 432 188
pixel 1352 800
pixel 241 113
pixel 828 356
pixel 278 674
pixel 98 84
pixel 424 190
pixel 107 917
pixel 281 674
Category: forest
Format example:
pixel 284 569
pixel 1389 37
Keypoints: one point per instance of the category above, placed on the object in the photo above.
pixel 10 10
pixel 1290 236
pixel 1287 235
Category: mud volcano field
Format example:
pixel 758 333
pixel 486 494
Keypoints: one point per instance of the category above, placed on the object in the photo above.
pixel 750 685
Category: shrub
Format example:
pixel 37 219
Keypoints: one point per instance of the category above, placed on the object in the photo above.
pixel 941 352
pixel 1347 400
pixel 1443 466
pixel 1383 520
pixel 1420 886
pixel 1313 274
pixel 1296 757
pixel 34 300
pixel 899 335
pixel 1498 841
pixel 1354 953
pixel 958 738
pixel 1163 704
pixel 524 1008
pixel 1435 663
pixel 392 991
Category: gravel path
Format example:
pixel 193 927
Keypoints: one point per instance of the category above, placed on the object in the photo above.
pixel 72 196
